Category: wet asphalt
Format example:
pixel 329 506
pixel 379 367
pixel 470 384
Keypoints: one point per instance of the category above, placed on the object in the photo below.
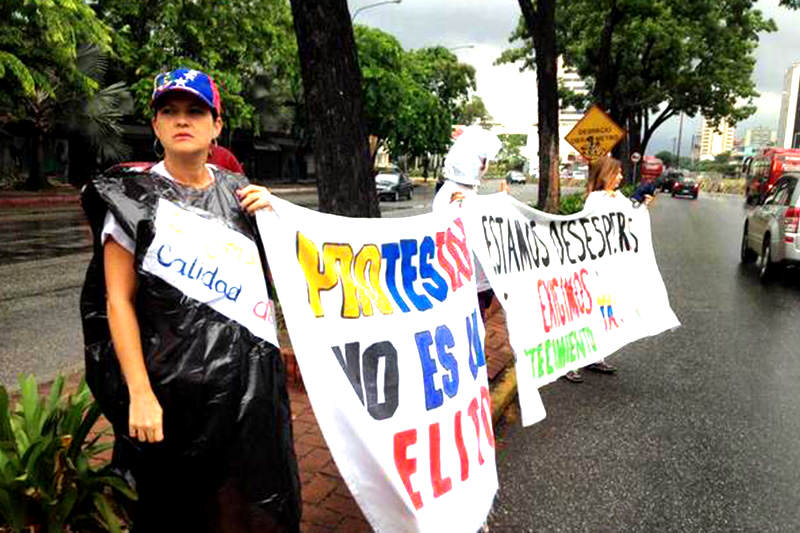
pixel 699 430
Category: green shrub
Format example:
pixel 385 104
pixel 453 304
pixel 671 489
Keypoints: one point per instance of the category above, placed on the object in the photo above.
pixel 570 203
pixel 48 481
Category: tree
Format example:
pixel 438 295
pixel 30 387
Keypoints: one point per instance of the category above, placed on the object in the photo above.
pixel 410 98
pixel 39 44
pixel 334 102
pixel 248 46
pixel 473 111
pixel 511 153
pixel 648 61
pixel 537 29
pixel 666 157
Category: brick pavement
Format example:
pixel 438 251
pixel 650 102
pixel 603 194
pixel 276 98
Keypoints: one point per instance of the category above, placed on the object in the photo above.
pixel 328 505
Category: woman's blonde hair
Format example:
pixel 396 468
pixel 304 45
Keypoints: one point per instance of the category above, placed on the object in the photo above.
pixel 601 172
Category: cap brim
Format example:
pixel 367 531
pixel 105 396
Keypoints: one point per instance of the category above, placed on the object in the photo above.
pixel 188 90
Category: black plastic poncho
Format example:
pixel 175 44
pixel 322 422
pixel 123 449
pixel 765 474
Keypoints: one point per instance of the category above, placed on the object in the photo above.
pixel 227 461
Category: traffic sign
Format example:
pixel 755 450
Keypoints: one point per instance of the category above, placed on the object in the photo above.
pixel 636 157
pixel 595 134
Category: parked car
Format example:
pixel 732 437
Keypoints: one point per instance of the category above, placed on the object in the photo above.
pixel 394 186
pixel 515 176
pixel 683 186
pixel 763 170
pixel 770 231
pixel 580 173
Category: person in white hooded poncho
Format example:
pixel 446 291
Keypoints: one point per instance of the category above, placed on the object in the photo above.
pixel 465 164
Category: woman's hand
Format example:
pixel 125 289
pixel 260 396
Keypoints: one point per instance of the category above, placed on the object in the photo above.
pixel 649 199
pixel 254 197
pixel 145 417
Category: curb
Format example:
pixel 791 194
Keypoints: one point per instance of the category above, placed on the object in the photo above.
pixel 33 200
pixel 503 390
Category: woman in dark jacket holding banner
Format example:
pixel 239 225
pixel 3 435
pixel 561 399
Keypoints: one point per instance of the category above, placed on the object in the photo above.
pixel 194 387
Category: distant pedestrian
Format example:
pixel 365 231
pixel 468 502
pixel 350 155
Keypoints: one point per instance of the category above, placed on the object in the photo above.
pixel 605 176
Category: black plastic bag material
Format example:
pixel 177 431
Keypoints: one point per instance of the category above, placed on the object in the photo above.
pixel 227 460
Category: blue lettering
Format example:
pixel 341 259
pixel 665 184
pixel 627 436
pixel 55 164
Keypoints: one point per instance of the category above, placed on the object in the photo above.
pixel 433 396
pixel 391 253
pixel 437 289
pixel 409 273
pixel 444 340
pixel 476 356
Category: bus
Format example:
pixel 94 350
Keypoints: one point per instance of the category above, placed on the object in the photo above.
pixel 763 170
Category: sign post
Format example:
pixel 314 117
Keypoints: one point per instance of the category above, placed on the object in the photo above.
pixel 595 134
pixel 635 158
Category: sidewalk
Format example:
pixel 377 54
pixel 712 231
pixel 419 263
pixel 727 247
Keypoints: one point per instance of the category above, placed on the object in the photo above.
pixel 328 505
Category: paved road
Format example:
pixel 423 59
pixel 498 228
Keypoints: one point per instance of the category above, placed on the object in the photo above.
pixel 699 429
pixel 43 258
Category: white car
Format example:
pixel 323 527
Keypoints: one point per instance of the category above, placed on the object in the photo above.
pixel 515 176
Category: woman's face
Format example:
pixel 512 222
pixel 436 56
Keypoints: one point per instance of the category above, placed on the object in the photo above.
pixel 185 125
pixel 614 181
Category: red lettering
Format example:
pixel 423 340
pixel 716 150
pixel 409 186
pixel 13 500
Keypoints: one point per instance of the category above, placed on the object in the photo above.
pixel 486 408
pixel 440 485
pixel 539 287
pixel 588 296
pixel 462 450
pixel 266 314
pixel 405 466
pixel 440 242
pixel 473 414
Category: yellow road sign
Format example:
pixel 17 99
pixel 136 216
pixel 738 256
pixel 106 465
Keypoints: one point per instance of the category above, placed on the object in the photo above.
pixel 595 134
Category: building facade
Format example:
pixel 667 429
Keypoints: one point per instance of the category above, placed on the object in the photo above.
pixel 789 121
pixel 715 141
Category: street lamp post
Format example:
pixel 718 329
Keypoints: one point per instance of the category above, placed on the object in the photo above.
pixel 368 6
pixel 460 47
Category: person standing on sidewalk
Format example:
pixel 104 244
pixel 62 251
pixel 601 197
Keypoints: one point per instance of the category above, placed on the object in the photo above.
pixel 605 176
pixel 198 403
pixel 464 166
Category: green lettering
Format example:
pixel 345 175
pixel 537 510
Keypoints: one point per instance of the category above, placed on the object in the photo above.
pixel 531 352
pixel 572 351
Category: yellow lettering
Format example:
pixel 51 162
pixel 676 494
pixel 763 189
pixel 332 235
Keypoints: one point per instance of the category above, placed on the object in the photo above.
pixel 337 262
pixel 369 257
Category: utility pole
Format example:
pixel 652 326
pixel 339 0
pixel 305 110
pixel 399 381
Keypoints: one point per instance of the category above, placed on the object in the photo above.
pixel 680 133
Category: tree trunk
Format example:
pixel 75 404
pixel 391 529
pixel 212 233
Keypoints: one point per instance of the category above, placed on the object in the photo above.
pixel 332 84
pixel 81 161
pixel 36 181
pixel 541 26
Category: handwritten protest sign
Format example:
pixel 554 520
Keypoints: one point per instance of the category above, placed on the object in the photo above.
pixel 384 322
pixel 212 264
pixel 575 288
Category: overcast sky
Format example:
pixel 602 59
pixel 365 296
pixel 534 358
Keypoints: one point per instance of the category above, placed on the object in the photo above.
pixel 510 96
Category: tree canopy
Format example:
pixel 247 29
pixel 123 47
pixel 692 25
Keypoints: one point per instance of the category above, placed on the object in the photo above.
pixel 248 46
pixel 411 98
pixel 646 61
pixel 473 111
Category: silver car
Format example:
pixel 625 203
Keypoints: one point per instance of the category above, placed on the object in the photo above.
pixel 771 228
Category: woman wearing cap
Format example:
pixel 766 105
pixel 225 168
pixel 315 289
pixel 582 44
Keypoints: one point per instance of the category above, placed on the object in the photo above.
pixel 198 402
pixel 605 175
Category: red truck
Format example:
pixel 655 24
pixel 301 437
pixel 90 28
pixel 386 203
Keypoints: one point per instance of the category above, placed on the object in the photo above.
pixel 763 170
pixel 651 168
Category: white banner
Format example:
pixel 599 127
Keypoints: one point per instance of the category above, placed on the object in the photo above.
pixel 212 264
pixel 575 288
pixel 384 322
